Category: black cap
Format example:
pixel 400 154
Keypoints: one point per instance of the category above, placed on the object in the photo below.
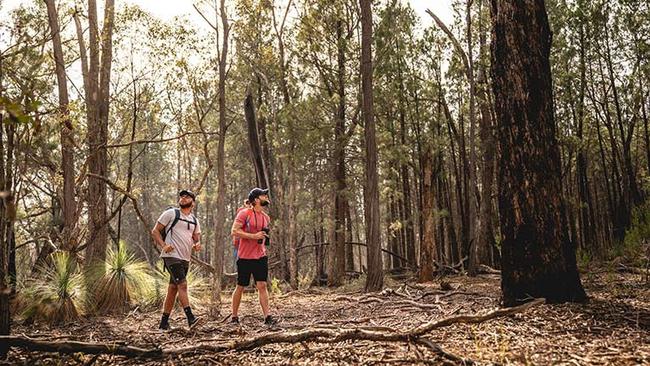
pixel 256 192
pixel 187 192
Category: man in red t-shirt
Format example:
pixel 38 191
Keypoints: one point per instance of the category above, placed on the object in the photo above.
pixel 251 226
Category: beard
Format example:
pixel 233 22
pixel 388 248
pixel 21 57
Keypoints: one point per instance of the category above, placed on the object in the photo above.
pixel 187 205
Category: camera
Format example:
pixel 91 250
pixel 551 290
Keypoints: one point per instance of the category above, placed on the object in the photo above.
pixel 266 231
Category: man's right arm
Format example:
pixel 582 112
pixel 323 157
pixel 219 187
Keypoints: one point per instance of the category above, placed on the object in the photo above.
pixel 157 237
pixel 238 232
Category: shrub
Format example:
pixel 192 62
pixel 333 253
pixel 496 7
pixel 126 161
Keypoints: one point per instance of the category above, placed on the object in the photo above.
pixel 119 281
pixel 55 297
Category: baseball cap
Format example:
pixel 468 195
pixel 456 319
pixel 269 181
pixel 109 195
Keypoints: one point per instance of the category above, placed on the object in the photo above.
pixel 187 192
pixel 256 192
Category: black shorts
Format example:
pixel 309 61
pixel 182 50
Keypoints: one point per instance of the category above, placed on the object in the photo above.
pixel 259 268
pixel 177 269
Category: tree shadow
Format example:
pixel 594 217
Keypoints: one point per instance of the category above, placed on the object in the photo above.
pixel 611 314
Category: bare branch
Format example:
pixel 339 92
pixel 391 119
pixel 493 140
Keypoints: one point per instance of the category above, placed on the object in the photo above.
pixel 185 134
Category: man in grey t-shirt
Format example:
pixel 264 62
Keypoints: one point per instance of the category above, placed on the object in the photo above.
pixel 182 234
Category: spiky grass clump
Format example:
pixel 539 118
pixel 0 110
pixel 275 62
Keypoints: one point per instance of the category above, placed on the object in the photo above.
pixel 118 282
pixel 198 288
pixel 154 294
pixel 56 297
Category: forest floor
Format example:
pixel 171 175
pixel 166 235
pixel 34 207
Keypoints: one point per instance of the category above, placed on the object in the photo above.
pixel 612 328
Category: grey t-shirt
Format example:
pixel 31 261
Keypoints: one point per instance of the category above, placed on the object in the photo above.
pixel 180 237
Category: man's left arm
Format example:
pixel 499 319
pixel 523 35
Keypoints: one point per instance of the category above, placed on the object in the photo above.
pixel 196 238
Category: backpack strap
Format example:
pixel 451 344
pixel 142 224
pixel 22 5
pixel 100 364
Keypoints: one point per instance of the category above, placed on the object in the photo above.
pixel 193 222
pixel 248 219
pixel 177 217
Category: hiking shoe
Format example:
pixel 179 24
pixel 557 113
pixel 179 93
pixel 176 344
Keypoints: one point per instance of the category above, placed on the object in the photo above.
pixel 193 321
pixel 269 320
pixel 164 326
pixel 234 320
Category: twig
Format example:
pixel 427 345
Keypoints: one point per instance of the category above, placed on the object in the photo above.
pixel 439 351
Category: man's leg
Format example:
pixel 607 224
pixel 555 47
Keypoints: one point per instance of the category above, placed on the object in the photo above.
pixel 185 302
pixel 236 300
pixel 182 294
pixel 178 272
pixel 243 280
pixel 261 273
pixel 168 305
pixel 264 297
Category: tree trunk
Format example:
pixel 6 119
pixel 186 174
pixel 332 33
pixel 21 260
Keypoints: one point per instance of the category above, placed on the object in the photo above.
pixel 292 235
pixel 5 315
pixel 69 203
pixel 428 248
pixel 319 238
pixel 473 190
pixel 337 252
pixel 588 227
pixel 375 279
pixel 633 197
pixel 98 80
pixel 484 245
pixel 406 209
pixel 349 250
pixel 391 234
pixel 644 102
pixel 254 142
pixel 538 259
pixel 219 239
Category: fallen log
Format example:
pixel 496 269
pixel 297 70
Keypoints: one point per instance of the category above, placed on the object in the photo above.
pixel 68 347
pixel 321 335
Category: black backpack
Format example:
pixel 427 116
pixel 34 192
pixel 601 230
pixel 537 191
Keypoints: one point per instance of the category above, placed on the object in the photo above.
pixel 177 218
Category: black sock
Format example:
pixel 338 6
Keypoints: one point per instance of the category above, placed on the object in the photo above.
pixel 164 319
pixel 188 312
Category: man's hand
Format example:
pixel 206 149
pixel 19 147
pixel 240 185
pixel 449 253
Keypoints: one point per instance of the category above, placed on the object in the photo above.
pixel 168 248
pixel 196 247
pixel 259 235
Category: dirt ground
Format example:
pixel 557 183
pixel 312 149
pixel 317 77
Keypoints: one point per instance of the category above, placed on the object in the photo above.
pixel 613 328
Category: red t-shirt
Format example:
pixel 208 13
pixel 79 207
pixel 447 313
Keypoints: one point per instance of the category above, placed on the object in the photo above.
pixel 252 222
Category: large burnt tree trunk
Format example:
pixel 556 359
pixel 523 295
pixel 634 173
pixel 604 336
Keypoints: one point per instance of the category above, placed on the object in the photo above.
pixel 538 259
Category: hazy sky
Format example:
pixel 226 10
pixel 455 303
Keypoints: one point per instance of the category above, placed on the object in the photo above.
pixel 167 9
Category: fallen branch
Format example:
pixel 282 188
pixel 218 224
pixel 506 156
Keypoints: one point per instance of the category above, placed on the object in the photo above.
pixel 635 270
pixel 312 335
pixel 75 347
pixel 487 269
